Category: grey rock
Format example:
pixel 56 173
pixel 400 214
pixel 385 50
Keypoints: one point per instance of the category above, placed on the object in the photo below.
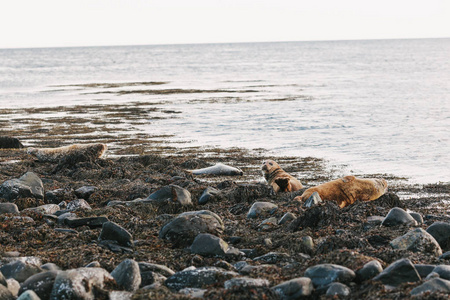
pixel 424 270
pixel 44 209
pixel 314 199
pixel 207 195
pixel 79 283
pixel 443 271
pixel 19 270
pixel 286 218
pixel 417 217
pixel 92 222
pixel 58 195
pixel 171 193
pixel 127 275
pixel 432 285
pixel 248 269
pixel 150 277
pixel 294 288
pixel 5 294
pixel 85 192
pixel 183 229
pixel 307 243
pixel 78 204
pixel 207 244
pixel 441 232
pixel 325 274
pixel 29 295
pixel 41 284
pixel 198 278
pixel 161 269
pixel 398 272
pixel 445 255
pixel 268 224
pixel 8 142
pixel 274 258
pixel 29 185
pixel 369 271
pixel 8 208
pixel 246 282
pixel 261 209
pixel 13 286
pixel 64 216
pixel 338 289
pixel 398 216
pixel 114 232
pixel 193 292
pixel 417 240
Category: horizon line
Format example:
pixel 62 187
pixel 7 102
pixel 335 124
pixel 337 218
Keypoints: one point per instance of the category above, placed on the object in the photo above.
pixel 220 43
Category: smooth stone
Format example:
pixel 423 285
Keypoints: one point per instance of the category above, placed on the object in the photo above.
pixel 19 270
pixel 41 283
pixel 114 232
pixel 441 232
pixel 45 209
pixel 92 222
pixel 246 282
pixel 417 240
pixel 369 271
pixel 13 286
pixel 325 274
pixel 443 271
pixel 307 243
pixel 79 283
pixel 417 217
pixel 207 194
pixel 198 278
pixel 314 199
pixel 28 185
pixel 286 218
pixel 5 294
pixel 218 169
pixel 127 275
pixel 8 208
pixel 183 229
pixel 338 289
pixel 398 272
pixel 424 270
pixel 398 216
pixel 261 208
pixel 85 192
pixel 171 193
pixel 8 142
pixel 294 288
pixel 29 295
pixel 161 269
pixel 432 285
pixel 78 204
pixel 274 258
pixel 207 244
pixel 268 224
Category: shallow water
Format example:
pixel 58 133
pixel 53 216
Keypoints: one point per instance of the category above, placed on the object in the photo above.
pixel 372 106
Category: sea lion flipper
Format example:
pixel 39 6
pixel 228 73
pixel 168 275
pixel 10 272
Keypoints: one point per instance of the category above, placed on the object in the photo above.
pixel 284 184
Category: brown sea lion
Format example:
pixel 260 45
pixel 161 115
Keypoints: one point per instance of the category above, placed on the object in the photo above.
pixel 89 151
pixel 347 190
pixel 279 179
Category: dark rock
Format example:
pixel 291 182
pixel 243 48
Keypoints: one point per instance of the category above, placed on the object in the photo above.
pixel 445 255
pixel 29 295
pixel 65 230
pixel 417 217
pixel 207 195
pixel 443 271
pixel 325 214
pixel 19 270
pixel 8 208
pixel 114 232
pixel 398 216
pixel 150 277
pixel 183 229
pixel 417 240
pixel 432 285
pixel 171 193
pixel 294 289
pixel 29 185
pixel 7 142
pixel 79 283
pixel 369 271
pixel 398 272
pixel 127 275
pixel 441 232
pixel 424 270
pixel 388 200
pixel 207 244
pixel 274 258
pixel 261 209
pixel 324 274
pixel 286 218
pixel 246 193
pixel 338 289
pixel 198 278
pixel 78 204
pixel 85 192
pixel 314 199
pixel 245 282
pixel 41 284
pixel 92 222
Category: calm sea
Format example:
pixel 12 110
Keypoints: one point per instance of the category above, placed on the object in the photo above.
pixel 380 106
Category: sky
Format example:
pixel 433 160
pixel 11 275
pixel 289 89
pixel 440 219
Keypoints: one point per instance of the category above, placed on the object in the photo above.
pixel 67 23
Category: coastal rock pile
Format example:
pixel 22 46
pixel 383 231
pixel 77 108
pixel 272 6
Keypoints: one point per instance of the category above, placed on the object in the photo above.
pixel 144 227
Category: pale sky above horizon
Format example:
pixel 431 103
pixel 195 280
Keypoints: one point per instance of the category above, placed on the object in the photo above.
pixel 67 23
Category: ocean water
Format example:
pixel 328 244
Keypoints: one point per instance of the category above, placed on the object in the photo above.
pixel 378 106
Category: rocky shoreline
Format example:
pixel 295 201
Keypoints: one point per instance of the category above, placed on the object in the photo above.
pixel 144 227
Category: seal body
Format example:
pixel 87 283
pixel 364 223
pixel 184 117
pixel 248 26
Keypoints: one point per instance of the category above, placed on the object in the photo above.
pixel 91 151
pixel 218 169
pixel 347 190
pixel 278 178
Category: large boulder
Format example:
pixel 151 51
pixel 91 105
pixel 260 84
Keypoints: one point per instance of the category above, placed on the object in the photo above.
pixel 183 229
pixel 398 272
pixel 28 185
pixel 417 240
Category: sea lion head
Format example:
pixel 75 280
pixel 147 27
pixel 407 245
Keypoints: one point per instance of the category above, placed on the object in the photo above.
pixel 269 166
